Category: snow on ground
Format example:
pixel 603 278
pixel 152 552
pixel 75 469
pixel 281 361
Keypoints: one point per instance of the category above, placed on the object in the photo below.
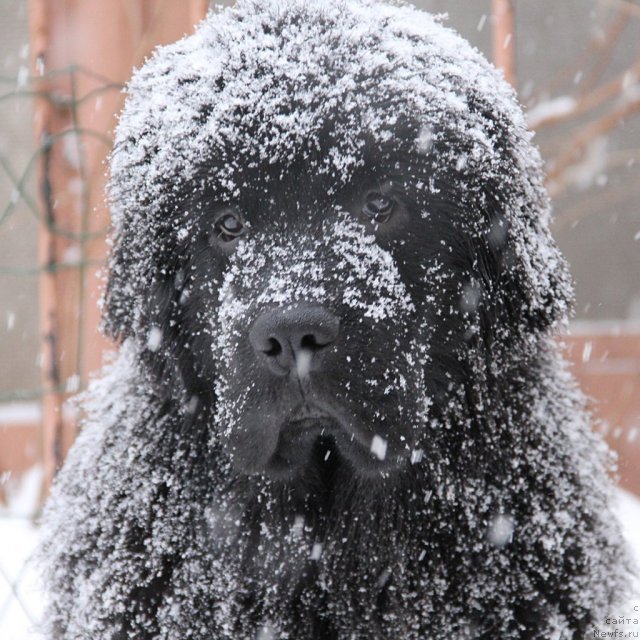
pixel 20 605
pixel 20 595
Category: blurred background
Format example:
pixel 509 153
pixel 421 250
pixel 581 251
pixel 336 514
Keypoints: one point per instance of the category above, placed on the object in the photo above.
pixel 575 65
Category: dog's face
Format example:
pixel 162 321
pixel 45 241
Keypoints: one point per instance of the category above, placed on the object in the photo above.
pixel 324 218
pixel 319 323
pixel 319 317
pixel 317 301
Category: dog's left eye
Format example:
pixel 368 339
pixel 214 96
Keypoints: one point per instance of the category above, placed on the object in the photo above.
pixel 229 226
pixel 378 206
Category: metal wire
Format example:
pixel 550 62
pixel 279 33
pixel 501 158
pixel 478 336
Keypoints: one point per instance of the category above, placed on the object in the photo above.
pixel 23 202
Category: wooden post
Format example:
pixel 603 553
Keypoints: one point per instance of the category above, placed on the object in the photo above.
pixel 504 35
pixel 46 121
pixel 82 54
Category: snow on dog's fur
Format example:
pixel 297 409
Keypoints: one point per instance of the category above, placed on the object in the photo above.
pixel 337 410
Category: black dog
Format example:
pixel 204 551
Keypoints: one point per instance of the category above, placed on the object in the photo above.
pixel 337 411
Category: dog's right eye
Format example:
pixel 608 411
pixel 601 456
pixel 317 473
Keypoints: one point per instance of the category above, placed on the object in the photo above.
pixel 229 226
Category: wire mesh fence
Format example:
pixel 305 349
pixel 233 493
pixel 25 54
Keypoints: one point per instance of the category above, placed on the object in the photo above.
pixel 32 195
pixel 53 189
pixel 60 224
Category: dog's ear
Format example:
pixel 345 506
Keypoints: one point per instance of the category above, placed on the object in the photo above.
pixel 141 261
pixel 530 278
pixel 527 276
pixel 139 288
pixel 130 263
pixel 485 176
pixel 536 275
pixel 150 299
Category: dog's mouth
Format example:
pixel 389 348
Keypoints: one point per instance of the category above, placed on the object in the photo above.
pixel 308 418
pixel 306 425
pixel 312 434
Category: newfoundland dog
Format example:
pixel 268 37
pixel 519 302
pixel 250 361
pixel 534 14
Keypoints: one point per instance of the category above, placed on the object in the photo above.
pixel 338 410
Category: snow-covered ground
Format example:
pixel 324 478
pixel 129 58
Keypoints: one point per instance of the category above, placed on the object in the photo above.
pixel 20 596
pixel 20 604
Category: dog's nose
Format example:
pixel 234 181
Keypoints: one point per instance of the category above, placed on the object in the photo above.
pixel 296 338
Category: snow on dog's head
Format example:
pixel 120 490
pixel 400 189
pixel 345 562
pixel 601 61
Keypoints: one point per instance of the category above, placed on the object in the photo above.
pixel 316 206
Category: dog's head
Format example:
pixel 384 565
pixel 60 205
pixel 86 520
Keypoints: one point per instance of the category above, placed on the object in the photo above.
pixel 320 208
